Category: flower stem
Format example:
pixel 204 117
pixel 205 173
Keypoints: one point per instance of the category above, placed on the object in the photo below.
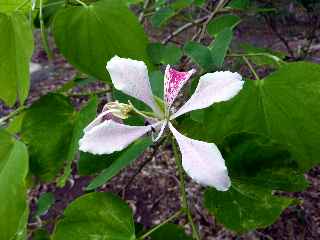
pixel 177 214
pixel 251 68
pixel 184 201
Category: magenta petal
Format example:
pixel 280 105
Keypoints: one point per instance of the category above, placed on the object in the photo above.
pixel 173 82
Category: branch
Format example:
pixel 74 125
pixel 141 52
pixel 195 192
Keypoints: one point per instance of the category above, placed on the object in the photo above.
pixel 184 27
pixel 220 5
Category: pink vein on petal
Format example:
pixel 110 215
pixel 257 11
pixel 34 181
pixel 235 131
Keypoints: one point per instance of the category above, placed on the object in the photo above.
pixel 173 82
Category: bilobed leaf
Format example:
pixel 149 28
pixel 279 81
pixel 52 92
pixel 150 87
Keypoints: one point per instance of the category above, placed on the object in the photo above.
pixel 220 46
pixel 89 36
pixel 16 47
pixel 170 231
pixel 96 216
pixel 126 157
pixel 283 107
pixel 162 16
pixel 47 130
pixel 257 166
pixel 200 54
pixel 13 194
pixel 216 25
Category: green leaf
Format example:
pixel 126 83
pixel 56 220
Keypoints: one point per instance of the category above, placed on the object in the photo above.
pixel 83 118
pixel 199 54
pixel 89 36
pixel 15 123
pixel 256 160
pixel 22 232
pixel 239 4
pixel 41 234
pixel 90 164
pixel 170 231
pixel 47 129
pixel 96 216
pixel 216 25
pixel 257 166
pixel 284 106
pixel 162 16
pixel 164 54
pixel 220 46
pixel 245 207
pixel 13 194
pixel 156 81
pixel 199 2
pixel 44 203
pixel 9 6
pixel 16 47
pixel 180 4
pixel 127 156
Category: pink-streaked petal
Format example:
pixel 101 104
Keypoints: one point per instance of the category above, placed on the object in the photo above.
pixel 202 161
pixel 131 77
pixel 173 82
pixel 212 88
pixel 110 136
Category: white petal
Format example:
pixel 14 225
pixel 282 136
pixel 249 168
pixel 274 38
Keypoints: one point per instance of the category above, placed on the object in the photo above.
pixel 202 161
pixel 212 88
pixel 110 136
pixel 98 120
pixel 103 116
pixel 131 77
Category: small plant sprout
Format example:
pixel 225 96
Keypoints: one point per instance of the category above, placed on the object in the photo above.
pixel 202 161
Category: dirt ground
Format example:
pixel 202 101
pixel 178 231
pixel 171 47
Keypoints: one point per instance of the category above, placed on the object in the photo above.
pixel 154 194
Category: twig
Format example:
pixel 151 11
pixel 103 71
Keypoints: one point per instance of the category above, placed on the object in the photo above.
pixel 145 6
pixel 12 114
pixel 149 159
pixel 273 27
pixel 183 28
pixel 184 202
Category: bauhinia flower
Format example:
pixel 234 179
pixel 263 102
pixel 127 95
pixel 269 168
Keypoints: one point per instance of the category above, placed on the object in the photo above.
pixel 202 161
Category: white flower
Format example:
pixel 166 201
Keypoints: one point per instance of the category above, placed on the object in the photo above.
pixel 201 160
